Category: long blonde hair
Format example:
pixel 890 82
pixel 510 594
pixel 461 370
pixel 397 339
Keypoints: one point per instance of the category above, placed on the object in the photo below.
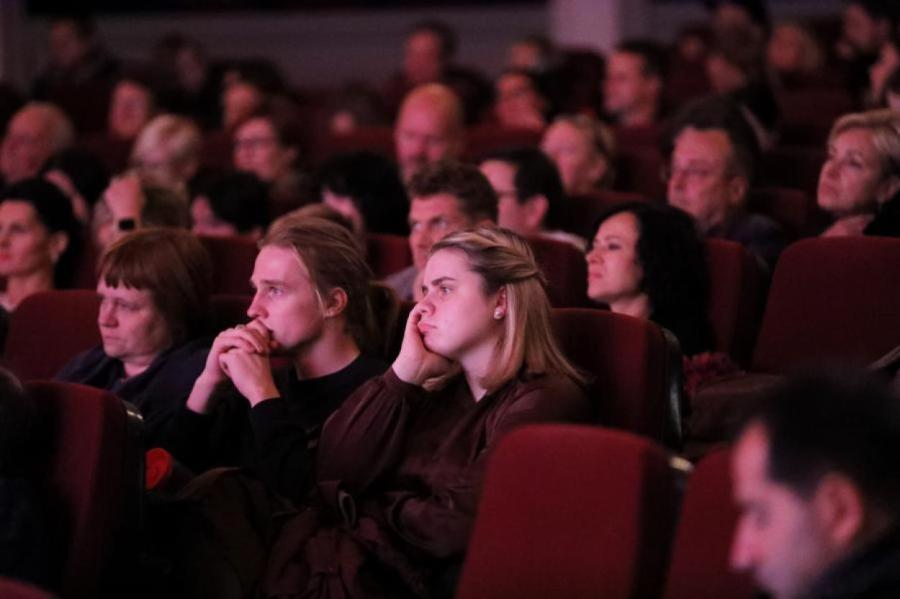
pixel 504 260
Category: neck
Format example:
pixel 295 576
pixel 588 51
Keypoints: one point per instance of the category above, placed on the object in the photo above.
pixel 327 355
pixel 639 116
pixel 637 306
pixel 21 286
pixel 476 364
pixel 136 367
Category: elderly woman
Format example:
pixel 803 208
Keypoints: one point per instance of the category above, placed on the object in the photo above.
pixel 582 150
pixel 154 289
pixel 167 152
pixel 860 179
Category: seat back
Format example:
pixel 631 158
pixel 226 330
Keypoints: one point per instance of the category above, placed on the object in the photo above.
pixel 93 472
pixel 581 211
pixel 794 167
pixel 489 137
pixel 699 566
pixel 793 209
pixel 636 367
pixel 566 271
pixel 227 310
pixel 387 254
pixel 736 289
pixel 48 329
pixel 233 259
pixel 833 302
pixel 571 511
pixel 11 588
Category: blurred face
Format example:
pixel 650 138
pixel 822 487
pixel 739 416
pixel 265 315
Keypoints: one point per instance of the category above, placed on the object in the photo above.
pixel 130 109
pixel 516 99
pixel 155 166
pixel 778 537
pixel 888 61
pixel 66 46
pixel 785 49
pixel 580 165
pixel 422 62
pixel 524 55
pixel 510 213
pixel 239 101
pixel 861 30
pixel 457 317
pixel 26 247
pixel 190 68
pixel 286 301
pixel 724 76
pixel 344 205
pixel 625 87
pixel 27 145
pixel 131 326
pixel 431 218
pixel 424 134
pixel 700 181
pixel 207 223
pixel 852 180
pixel 257 150
pixel 614 270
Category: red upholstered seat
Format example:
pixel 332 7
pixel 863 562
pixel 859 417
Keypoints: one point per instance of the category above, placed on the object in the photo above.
pixel 573 512
pixel 489 137
pixel 16 589
pixel 793 209
pixel 736 297
pixel 636 367
pixel 48 329
pixel 387 254
pixel 639 170
pixel 699 566
pixel 581 211
pixel 794 167
pixel 373 139
pixel 833 301
pixel 94 475
pixel 233 259
pixel 566 271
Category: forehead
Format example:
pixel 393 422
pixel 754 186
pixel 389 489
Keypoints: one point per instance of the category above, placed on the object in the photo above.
pixel 513 81
pixel 425 208
pixel 131 88
pixel 127 294
pixel 623 224
pixel 424 40
pixel 448 263
pixel 29 121
pixel 565 133
pixel 18 210
pixel 854 139
pixel 425 114
pixel 625 61
pixel 275 263
pixel 749 462
pixel 708 144
pixel 256 127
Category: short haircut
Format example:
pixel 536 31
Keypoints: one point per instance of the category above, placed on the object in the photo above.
pixel 846 423
pixel 476 198
pixel 535 175
pixel 717 113
pixel 54 210
pixel 445 34
pixel 177 136
pixel 173 266
pixel 672 256
pixel 373 184
pixel 883 126
pixel 652 55
pixel 19 417
pixel 58 124
pixel 238 198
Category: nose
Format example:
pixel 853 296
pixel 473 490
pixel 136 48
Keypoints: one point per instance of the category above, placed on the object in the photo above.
pixel 593 256
pixel 741 555
pixel 106 316
pixel 829 168
pixel 256 309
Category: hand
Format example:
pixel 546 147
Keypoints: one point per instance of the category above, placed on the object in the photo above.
pixel 125 197
pixel 415 364
pixel 251 374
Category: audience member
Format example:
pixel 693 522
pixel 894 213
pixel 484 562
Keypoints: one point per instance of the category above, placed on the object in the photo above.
pixel 887 64
pixel 429 128
pixel 750 15
pixel 794 54
pixel 313 303
pixel 353 106
pixel 131 106
pixel 817 480
pixel 535 53
pixel 231 204
pixel 167 152
pixel 191 87
pixel 862 172
pixel 530 194
pixel 519 102
pixel 633 86
pixel 582 150
pixel 710 172
pixel 80 176
pixel 366 188
pixel 445 197
pixel 154 288
pixel 866 27
pixel 35 132
pixel 408 449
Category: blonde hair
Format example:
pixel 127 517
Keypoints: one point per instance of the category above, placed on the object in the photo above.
pixel 178 138
pixel 599 136
pixel 884 128
pixel 504 260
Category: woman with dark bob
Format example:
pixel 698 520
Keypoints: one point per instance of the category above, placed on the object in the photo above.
pixel 154 287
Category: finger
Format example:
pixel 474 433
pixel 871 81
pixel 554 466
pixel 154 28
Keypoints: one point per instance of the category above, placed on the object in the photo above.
pixel 227 341
pixel 248 338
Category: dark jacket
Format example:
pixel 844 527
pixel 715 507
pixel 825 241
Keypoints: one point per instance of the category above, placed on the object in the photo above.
pixel 871 573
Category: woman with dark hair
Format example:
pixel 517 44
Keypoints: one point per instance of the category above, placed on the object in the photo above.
pixel 366 188
pixel 231 204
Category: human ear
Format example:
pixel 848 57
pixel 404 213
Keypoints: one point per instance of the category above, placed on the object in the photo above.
pixel 840 509
pixel 737 187
pixel 501 305
pixel 59 241
pixel 887 189
pixel 535 211
pixel 335 302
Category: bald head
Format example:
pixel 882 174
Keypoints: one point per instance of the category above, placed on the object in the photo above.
pixel 429 128
pixel 36 132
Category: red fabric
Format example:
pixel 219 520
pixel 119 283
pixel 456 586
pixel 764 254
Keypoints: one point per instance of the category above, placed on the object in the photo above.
pixel 233 259
pixel 387 254
pixel 581 211
pixel 639 170
pixel 794 167
pixel 158 467
pixel 48 329
pixel 833 301
pixel 113 152
pixel 736 295
pixel 571 511
pixel 793 209
pixel 629 358
pixel 699 567
pixel 228 310
pixel 216 152
pixel 487 138
pixel 86 475
pixel 565 269
pixel 16 589
pixel 373 139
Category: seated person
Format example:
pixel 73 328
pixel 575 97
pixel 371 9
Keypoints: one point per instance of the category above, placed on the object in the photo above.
pixel 231 204
pixel 530 195
pixel 531 52
pixel 647 261
pixel 34 133
pixel 26 551
pixel 408 449
pixel 132 105
pixel 817 481
pixel 167 152
pixel 313 304
pixel 633 86
pixel 154 289
pixel 861 176
pixel 794 55
pixel 711 167
pixel 519 101
pixel 429 128
pixel 582 150
pixel 366 188
pixel 445 197
pixel 39 240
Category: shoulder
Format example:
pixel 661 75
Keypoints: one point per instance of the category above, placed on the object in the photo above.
pixel 84 365
pixel 551 389
pixel 402 281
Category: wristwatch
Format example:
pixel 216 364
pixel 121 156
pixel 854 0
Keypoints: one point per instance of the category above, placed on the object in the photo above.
pixel 126 224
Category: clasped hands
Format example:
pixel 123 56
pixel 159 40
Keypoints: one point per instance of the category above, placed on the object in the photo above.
pixel 242 355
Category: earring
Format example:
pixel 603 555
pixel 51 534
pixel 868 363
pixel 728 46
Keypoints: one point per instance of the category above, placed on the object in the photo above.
pixel 498 314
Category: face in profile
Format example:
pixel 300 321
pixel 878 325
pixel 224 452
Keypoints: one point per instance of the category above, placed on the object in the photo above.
pixel 852 179
pixel 132 328
pixel 457 316
pixel 285 299
pixel 614 270
pixel 258 150
pixel 26 246
pixel 581 166
pixel 131 107
pixel 27 145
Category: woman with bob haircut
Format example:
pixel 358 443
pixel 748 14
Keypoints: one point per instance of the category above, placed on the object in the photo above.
pixel 314 306
pixel 167 152
pixel 400 464
pixel 582 148
pixel 154 287
pixel 859 184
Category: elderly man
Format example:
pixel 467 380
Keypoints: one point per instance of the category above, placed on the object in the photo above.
pixel 817 480
pixel 445 197
pixel 710 171
pixel 429 128
pixel 632 89
pixel 36 132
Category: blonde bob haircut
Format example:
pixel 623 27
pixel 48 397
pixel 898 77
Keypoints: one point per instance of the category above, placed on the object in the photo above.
pixel 884 128
pixel 527 345
pixel 176 137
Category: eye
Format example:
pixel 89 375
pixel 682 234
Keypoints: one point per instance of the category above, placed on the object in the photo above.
pixel 445 290
pixel 274 291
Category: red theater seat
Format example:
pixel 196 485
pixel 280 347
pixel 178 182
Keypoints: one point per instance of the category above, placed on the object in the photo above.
pixel 573 512
pixel 699 566
pixel 639 170
pixel 794 167
pixel 233 259
pixel 565 269
pixel 387 254
pixel 793 209
pixel 487 138
pixel 16 589
pixel 581 211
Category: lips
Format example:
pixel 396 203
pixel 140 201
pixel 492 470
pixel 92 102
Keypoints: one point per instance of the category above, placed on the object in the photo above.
pixel 425 327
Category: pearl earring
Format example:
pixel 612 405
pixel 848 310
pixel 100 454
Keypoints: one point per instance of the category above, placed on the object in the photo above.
pixel 498 314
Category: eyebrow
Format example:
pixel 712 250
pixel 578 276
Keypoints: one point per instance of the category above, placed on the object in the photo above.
pixel 270 282
pixel 440 280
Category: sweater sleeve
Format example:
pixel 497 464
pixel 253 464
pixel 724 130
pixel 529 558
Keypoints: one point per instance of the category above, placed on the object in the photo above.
pixel 283 448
